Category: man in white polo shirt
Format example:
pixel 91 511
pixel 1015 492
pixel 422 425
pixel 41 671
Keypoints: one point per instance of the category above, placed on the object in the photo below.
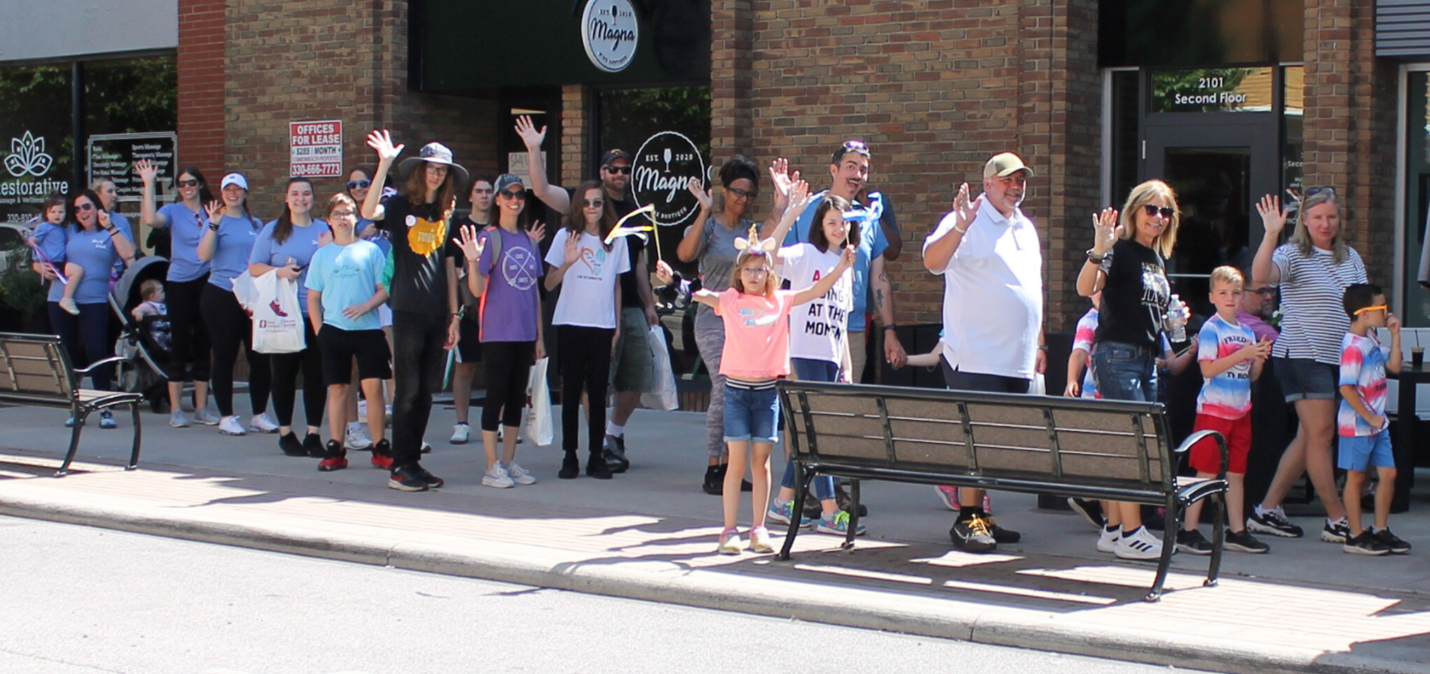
pixel 989 256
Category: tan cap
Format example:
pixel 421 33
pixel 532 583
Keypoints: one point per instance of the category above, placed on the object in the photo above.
pixel 1005 164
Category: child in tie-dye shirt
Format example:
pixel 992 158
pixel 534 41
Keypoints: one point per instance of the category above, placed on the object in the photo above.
pixel 1230 358
pixel 1361 420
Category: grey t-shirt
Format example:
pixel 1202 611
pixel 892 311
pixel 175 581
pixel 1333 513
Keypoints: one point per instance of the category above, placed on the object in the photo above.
pixel 718 254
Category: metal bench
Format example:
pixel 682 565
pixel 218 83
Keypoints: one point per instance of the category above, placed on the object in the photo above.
pixel 35 370
pixel 1097 449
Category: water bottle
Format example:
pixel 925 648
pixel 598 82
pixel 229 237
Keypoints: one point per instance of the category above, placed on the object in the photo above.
pixel 1177 320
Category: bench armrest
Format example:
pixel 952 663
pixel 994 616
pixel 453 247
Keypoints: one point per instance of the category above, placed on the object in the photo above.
pixel 1201 435
pixel 98 363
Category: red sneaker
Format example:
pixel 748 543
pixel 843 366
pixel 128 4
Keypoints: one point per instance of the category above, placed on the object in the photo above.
pixel 333 463
pixel 382 454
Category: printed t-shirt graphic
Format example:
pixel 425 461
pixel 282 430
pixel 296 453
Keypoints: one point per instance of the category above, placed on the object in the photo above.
pixel 1362 366
pixel 1227 395
pixel 424 236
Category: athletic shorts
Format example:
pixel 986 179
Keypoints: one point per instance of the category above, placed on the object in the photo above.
pixel 469 348
pixel 341 346
pixel 631 368
pixel 1362 451
pixel 1206 458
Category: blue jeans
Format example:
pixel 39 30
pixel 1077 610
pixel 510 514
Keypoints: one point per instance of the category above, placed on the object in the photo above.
pixel 809 369
pixel 1125 371
pixel 750 414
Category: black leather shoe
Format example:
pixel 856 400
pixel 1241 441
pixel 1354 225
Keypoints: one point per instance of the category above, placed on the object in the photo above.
pixel 616 454
pixel 570 467
pixel 596 466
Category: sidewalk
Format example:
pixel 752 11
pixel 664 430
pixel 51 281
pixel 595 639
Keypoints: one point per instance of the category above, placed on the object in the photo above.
pixel 650 534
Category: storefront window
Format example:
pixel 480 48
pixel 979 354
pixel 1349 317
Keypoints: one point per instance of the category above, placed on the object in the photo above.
pixel 36 140
pixel 131 96
pixel 1417 199
pixel 1293 109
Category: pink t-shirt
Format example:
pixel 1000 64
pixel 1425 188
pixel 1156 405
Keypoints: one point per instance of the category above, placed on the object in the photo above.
pixel 756 334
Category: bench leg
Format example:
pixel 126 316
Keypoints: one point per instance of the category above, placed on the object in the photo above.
pixel 79 417
pixel 802 480
pixel 853 516
pixel 1169 546
pixel 134 454
pixel 1218 538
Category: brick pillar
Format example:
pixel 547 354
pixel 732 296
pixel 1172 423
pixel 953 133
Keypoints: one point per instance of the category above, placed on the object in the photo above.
pixel 577 108
pixel 201 85
pixel 731 79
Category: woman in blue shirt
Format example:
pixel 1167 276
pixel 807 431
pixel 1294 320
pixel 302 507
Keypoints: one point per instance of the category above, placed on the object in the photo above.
pixel 287 246
pixel 226 246
pixel 184 286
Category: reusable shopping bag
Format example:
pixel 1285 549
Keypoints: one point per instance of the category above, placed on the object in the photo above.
pixel 540 428
pixel 662 395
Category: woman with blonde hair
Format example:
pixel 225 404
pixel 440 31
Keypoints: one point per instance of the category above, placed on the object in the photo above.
pixel 1313 269
pixel 1127 263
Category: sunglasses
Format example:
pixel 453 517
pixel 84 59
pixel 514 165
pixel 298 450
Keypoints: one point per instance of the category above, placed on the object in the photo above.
pixel 1317 190
pixel 743 194
pixel 1265 292
pixel 1366 310
pixel 359 184
pixel 187 183
pixel 84 206
pixel 855 146
pixel 598 203
pixel 1153 211
pixel 515 195
pixel 617 169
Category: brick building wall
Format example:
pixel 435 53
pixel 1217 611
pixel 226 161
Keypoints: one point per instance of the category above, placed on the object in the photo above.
pixel 201 85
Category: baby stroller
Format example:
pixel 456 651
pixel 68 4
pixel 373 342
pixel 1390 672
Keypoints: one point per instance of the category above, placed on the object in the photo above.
pixel 143 344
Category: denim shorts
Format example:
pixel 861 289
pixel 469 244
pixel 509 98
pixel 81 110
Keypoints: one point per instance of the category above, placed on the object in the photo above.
pixel 1306 379
pixel 751 413
pixel 1125 371
pixel 1362 451
pixel 810 369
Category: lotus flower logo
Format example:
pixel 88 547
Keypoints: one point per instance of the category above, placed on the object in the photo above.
pixel 27 155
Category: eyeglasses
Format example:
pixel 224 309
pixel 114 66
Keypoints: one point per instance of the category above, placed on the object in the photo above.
pixel 342 214
pixel 1152 211
pixel 754 271
pixel 359 184
pixel 436 168
pixel 598 203
pixel 192 182
pixel 482 190
pixel 515 195
pixel 86 206
pixel 1366 310
pixel 617 169
pixel 743 194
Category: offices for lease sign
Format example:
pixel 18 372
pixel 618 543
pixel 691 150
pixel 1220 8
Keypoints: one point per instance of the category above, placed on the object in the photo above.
pixel 316 149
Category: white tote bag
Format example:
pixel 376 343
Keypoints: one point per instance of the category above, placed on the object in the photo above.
pixel 662 395
pixel 539 426
pixel 277 322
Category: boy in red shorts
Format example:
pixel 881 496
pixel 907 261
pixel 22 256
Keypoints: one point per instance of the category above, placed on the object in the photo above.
pixel 1230 358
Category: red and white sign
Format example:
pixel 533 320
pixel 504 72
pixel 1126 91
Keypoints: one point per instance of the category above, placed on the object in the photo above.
pixel 317 149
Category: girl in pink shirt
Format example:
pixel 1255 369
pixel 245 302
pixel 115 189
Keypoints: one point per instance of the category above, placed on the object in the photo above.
pixel 756 353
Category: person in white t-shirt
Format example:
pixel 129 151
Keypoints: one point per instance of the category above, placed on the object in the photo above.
pixel 988 253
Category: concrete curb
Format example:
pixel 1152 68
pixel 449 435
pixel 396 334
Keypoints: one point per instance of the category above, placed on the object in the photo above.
pixel 850 607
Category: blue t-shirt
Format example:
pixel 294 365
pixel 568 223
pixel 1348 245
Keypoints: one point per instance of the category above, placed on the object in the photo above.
pixel 377 234
pixel 236 237
pixel 347 275
pixel 300 246
pixel 872 244
pixel 186 229
pixel 93 250
pixel 50 239
pixel 122 224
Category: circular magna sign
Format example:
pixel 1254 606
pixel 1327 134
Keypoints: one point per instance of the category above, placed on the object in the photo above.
pixel 660 174
pixel 609 32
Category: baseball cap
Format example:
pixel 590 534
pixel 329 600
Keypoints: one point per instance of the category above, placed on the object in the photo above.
pixel 1005 164
pixel 506 180
pixel 234 179
pixel 612 155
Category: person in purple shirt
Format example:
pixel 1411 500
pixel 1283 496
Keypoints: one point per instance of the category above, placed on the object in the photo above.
pixel 1256 304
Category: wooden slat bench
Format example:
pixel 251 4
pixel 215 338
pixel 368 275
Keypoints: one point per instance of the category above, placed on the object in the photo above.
pixel 1096 449
pixel 35 370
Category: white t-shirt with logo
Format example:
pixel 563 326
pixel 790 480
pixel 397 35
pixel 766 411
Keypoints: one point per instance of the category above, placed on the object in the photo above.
pixel 588 290
pixel 817 328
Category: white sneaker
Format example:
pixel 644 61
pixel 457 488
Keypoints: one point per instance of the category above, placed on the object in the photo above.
pixel 730 543
pixel 497 477
pixel 461 433
pixel 262 423
pixel 362 411
pixel 519 474
pixel 760 540
pixel 1141 544
pixel 69 306
pixel 357 438
pixel 1107 540
pixel 229 426
pixel 178 419
pixel 206 417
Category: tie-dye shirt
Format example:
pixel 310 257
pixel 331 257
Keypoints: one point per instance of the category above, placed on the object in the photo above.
pixel 1083 339
pixel 1362 366
pixel 1227 395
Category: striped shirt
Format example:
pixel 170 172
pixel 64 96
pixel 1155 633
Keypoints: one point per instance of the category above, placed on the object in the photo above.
pixel 1313 321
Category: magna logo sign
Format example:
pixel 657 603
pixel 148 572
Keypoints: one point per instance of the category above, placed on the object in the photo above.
pixel 661 176
pixel 609 31
pixel 317 149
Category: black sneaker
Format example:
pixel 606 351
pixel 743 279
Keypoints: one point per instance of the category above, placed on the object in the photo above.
pixel 1089 509
pixel 1392 541
pixel 1193 542
pixel 404 478
pixel 596 466
pixel 973 535
pixel 570 467
pixel 714 484
pixel 432 481
pixel 1000 534
pixel 843 500
pixel 314 446
pixel 1365 544
pixel 291 445
pixel 1336 532
pixel 615 454
pixel 1243 541
pixel 1273 523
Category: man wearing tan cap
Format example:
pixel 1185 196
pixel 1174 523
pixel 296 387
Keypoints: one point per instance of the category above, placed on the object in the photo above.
pixel 992 265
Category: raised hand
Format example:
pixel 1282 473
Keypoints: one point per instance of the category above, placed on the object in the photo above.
pixel 1106 230
pixel 1273 217
pixel 215 210
pixel 702 195
pixel 146 170
pixel 381 141
pixel 471 247
pixel 965 210
pixel 779 175
pixel 846 258
pixel 537 231
pixel 573 249
pixel 529 135
pixel 664 273
pixel 799 196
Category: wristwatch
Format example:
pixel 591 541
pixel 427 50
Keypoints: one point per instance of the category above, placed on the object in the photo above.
pixel 213 226
pixel 1093 257
pixel 892 326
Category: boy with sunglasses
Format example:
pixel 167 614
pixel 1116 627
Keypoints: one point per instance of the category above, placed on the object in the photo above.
pixel 1361 421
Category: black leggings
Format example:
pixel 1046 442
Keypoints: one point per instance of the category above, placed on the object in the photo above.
pixel 86 338
pixel 191 336
pixel 585 355
pixel 285 381
pixel 417 362
pixel 508 369
pixel 230 326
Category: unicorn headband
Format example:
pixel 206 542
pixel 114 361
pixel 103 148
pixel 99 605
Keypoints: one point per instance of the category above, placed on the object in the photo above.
pixel 754 245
